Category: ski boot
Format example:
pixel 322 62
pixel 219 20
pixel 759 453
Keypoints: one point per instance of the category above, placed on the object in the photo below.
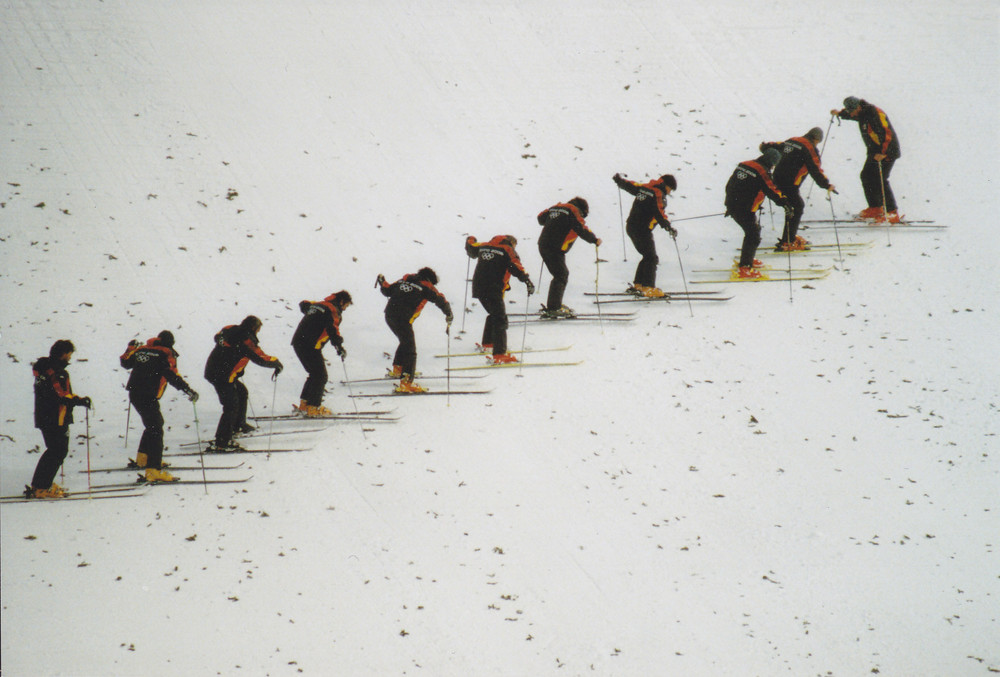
pixel 395 372
pixel 747 273
pixel 653 292
pixel 483 348
pixel 158 475
pixel 870 213
pixel 406 385
pixel 504 358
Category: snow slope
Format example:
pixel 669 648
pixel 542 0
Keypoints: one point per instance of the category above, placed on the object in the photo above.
pixel 802 480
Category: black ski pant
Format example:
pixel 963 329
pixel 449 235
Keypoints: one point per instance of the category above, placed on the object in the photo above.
pixel 406 354
pixel 233 398
pixel 56 440
pixel 555 261
pixel 792 220
pixel 151 442
pixel 315 366
pixel 874 182
pixel 642 240
pixel 748 221
pixel 495 329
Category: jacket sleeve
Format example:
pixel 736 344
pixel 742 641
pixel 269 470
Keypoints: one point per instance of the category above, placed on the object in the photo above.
pixel 814 168
pixel 252 350
pixel 432 294
pixel 630 187
pixel 472 247
pixel 515 266
pixel 126 358
pixel 333 330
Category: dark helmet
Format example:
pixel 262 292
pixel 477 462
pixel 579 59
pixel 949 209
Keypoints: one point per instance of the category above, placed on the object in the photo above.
pixel 341 299
pixel 669 181
pixel 166 338
pixel 60 348
pixel 251 323
pixel 815 135
pixel 582 205
pixel 428 275
pixel 852 103
pixel 770 158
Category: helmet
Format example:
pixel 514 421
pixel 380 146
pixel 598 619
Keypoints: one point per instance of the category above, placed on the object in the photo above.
pixel 428 274
pixel 669 181
pixel 770 158
pixel 581 204
pixel 852 103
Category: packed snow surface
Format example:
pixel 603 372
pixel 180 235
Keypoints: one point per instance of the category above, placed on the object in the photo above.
pixel 802 480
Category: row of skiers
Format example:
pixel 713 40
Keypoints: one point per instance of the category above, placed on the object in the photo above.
pixel 776 174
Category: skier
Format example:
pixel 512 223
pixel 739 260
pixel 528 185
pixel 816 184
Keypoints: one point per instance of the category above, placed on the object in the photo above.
pixel 561 225
pixel 882 145
pixel 54 402
pixel 153 365
pixel 407 298
pixel 320 323
pixel 648 210
pixel 798 157
pixel 235 345
pixel 745 192
pixel 496 261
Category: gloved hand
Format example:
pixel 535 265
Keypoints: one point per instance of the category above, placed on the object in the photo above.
pixel 449 318
pixel 191 395
pixel 85 402
pixel 763 146
pixel 672 231
pixel 341 351
pixel 380 280
pixel 531 287
pixel 788 211
pixel 835 112
pixel 134 344
pixel 278 367
pixel 832 189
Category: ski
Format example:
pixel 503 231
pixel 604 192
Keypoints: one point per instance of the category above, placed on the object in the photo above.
pixel 579 317
pixel 335 416
pixel 244 436
pixel 117 492
pixel 393 393
pixel 764 278
pixel 845 222
pixel 665 299
pixel 768 268
pixel 517 365
pixel 667 293
pixel 141 482
pixel 172 468
pixel 570 317
pixel 212 451
pixel 516 352
pixel 432 377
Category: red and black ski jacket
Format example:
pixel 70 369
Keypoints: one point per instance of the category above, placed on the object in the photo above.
pixel 153 366
pixel 235 346
pixel 748 185
pixel 561 225
pixel 408 296
pixel 496 261
pixel 876 130
pixel 320 323
pixel 54 398
pixel 798 158
pixel 649 207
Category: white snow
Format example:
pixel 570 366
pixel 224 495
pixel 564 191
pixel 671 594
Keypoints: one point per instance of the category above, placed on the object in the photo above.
pixel 803 480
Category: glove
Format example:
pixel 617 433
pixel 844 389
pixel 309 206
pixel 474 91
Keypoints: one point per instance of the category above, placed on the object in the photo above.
pixel 788 211
pixel 191 395
pixel 278 367
pixel 85 402
pixel 449 318
pixel 134 344
pixel 835 112
pixel 672 231
pixel 832 189
pixel 380 280
pixel 531 287
pixel 304 306
pixel 763 146
pixel 341 351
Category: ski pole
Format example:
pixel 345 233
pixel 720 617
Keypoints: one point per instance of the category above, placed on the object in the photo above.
pixel 465 301
pixel 621 216
pixel 128 422
pixel 350 392
pixel 597 284
pixel 683 276
pixel 789 252
pixel 274 396
pixel 541 271
pixel 524 331
pixel 827 136
pixel 447 371
pixel 201 453
pixel 836 231
pixel 885 211
pixel 87 417
pixel 692 218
